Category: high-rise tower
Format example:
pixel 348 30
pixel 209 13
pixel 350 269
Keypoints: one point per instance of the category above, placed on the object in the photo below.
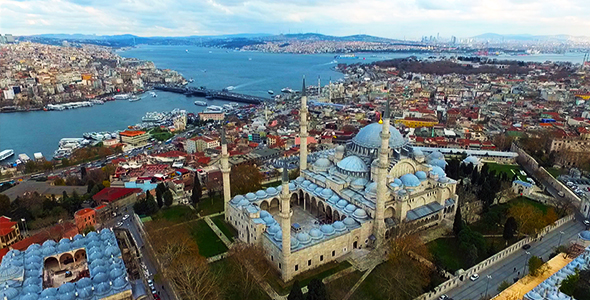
pixel 303 127
pixel 225 171
pixel 382 190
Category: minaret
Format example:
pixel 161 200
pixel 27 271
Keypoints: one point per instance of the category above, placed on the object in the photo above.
pixel 285 219
pixel 382 190
pixel 319 87
pixel 303 134
pixel 225 172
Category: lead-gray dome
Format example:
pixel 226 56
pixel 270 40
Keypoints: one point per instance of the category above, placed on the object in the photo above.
pixel 334 199
pixel 261 194
pixel 322 164
pixel 370 137
pixel 349 222
pixel 438 171
pixel 272 191
pixel 342 203
pixel 360 213
pixel 243 202
pixel 471 160
pixel 327 193
pixel 350 208
pixel 421 175
pixel 237 199
pixel 339 226
pixel 410 180
pixel 264 214
pixel 272 230
pixel 303 238
pixel 438 162
pixel 436 155
pixel 359 183
pixel 353 164
pixel 327 229
pixel 316 234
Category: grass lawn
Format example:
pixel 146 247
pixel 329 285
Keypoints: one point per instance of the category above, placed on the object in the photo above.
pixel 554 171
pixel 176 213
pixel 338 288
pixel 511 170
pixel 450 254
pixel 483 226
pixel 208 242
pixel 320 272
pixel 231 284
pixel 271 184
pixel 209 206
pixel 227 229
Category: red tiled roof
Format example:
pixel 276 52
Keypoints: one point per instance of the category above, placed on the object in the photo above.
pixel 111 194
pixel 174 153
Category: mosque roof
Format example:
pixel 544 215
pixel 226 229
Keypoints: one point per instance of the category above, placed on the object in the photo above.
pixel 370 137
pixel 353 164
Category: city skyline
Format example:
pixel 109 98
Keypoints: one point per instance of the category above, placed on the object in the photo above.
pixel 390 19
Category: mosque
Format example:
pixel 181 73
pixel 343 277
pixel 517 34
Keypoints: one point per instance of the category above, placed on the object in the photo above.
pixel 351 197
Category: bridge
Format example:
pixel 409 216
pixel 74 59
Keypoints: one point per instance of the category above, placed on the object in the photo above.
pixel 213 94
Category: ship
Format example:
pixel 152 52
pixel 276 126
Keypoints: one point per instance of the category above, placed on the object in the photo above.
pixel 214 108
pixel 270 92
pixel 153 94
pixel 134 98
pixel 347 56
pixel 287 90
pixel 122 97
pixel 6 154
pixel 23 157
pixel 201 103
pixel 230 88
pixel 152 117
pixel 191 80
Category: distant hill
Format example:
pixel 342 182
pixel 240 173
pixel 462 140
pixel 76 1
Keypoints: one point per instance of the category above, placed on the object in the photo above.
pixel 527 37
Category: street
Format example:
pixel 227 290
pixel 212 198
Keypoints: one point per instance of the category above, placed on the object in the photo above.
pixel 505 270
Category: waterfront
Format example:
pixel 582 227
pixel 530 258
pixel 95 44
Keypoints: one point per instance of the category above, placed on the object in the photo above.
pixel 252 73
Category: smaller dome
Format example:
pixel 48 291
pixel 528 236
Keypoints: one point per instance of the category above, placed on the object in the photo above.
pixel 299 179
pixel 359 183
pixel 112 250
pixel 82 283
pixel 8 293
pixel 269 220
pixel 272 230
pixel 322 163
pixel 252 209
pixel 318 191
pixel 436 155
pixel 339 226
pixel 251 197
pixel 303 238
pixel 585 235
pixel 29 295
pixel 439 172
pixel 421 175
pixel 327 193
pixel 63 247
pixel 410 180
pixel 398 181
pixel 99 278
pixel 32 289
pixel 99 269
pixel 67 287
pixel 334 199
pixel 261 194
pixel 292 186
pixel 316 234
pixel 243 202
pixel 294 243
pixel 349 222
pixel 417 152
pixel 264 214
pixel 438 162
pixel 119 283
pixel 306 183
pixel 350 208
pixel 471 160
pixel 102 288
pixel 92 234
pixel 53 243
pixel 271 191
pixel 353 164
pixel 360 213
pixel 311 187
pixel 278 236
pixel 32 248
pixel 371 188
pixel 340 148
pixel 342 203
pixel 327 229
pixel 237 199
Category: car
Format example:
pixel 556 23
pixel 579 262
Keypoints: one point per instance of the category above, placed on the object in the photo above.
pixel 474 277
pixel 526 247
pixel 443 297
pixel 150 282
pixel 153 289
pixel 587 222
pixel 561 194
pixel 119 224
pixel 156 297
pixel 126 217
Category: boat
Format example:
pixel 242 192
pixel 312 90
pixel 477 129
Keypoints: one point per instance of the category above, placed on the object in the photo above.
pixel 23 157
pixel 186 50
pixel 350 55
pixel 214 108
pixel 154 94
pixel 227 107
pixel 287 90
pixel 38 155
pixel 134 98
pixel 334 62
pixel 152 117
pixel 6 154
pixel 201 103
pixel 209 97
pixel 271 92
pixel 122 97
pixel 190 80
pixel 230 88
pixel 249 58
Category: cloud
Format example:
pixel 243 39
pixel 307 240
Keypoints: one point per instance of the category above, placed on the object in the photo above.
pixel 388 18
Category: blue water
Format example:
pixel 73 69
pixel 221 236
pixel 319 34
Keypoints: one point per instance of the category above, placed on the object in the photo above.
pixel 251 73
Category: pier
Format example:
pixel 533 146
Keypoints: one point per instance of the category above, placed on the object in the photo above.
pixel 215 94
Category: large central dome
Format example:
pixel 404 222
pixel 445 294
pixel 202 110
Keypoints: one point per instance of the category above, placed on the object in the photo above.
pixel 369 137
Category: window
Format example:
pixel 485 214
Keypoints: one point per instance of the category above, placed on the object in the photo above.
pixel 279 265
pixel 309 262
pixel 321 258
pixel 333 253
pixel 344 250
pixel 296 267
pixel 272 258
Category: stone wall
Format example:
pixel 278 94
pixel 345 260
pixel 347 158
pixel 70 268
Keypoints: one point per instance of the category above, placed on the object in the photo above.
pixel 459 279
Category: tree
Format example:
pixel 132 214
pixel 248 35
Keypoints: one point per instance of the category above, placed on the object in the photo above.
pixel 245 179
pixel 537 266
pixel 59 181
pixel 503 285
pixel 4 205
pixel 510 228
pixel 159 198
pixel 458 223
pixel 568 285
pixel 90 185
pixel 161 187
pixel 529 218
pixel 83 172
pixel 88 229
pixel 168 198
pixel 316 290
pixel 296 293
pixel 197 191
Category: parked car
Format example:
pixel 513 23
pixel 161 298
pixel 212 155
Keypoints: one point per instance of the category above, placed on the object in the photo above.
pixel 587 223
pixel 474 277
pixel 526 247
pixel 443 297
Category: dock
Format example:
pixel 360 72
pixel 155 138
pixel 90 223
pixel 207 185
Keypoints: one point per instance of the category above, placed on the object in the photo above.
pixel 214 94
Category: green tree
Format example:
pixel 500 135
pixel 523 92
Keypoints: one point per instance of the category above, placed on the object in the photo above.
pixel 458 223
pixel 83 172
pixel 168 198
pixel 316 290
pixel 90 185
pixel 4 205
pixel 197 191
pixel 509 229
pixel 245 179
pixel 568 285
pixel 503 285
pixel 537 266
pixel 30 166
pixel 296 293
pixel 88 229
pixel 151 205
pixel 161 187
pixel 59 181
pixel 159 198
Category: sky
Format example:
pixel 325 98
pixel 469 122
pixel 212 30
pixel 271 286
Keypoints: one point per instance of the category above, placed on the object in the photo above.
pixel 408 19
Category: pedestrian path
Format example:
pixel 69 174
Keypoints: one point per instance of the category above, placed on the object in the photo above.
pixel 218 232
pixel 358 283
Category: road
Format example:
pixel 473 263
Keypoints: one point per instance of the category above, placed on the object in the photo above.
pixel 504 270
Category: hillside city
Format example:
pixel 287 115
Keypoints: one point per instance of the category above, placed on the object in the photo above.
pixel 456 177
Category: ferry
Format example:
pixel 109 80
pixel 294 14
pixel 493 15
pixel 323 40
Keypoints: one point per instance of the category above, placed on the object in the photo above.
pixel 23 157
pixel 230 88
pixel 227 107
pixel 214 108
pixel 201 103
pixel 6 154
pixel 122 97
pixel 350 55
pixel 154 95
pixel 152 117
pixel 270 92
pixel 134 98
